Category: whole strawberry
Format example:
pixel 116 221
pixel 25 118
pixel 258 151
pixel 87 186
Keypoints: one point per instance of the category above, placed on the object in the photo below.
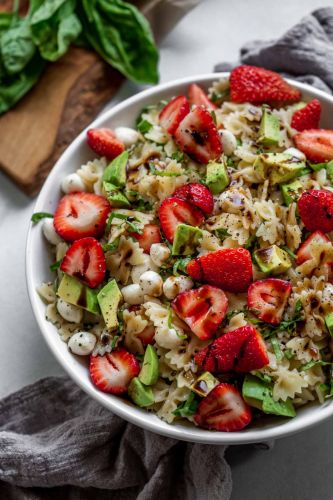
pixel 308 117
pixel 316 210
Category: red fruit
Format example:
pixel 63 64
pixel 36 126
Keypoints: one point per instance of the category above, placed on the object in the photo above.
pixel 113 372
pixel 259 85
pixel 203 310
pixel 268 298
pixel 223 409
pixel 151 234
pixel 308 117
pixel 173 113
pixel 305 250
pixel 104 142
pixel 174 211
pixel 316 210
pixel 241 350
pixel 85 260
pixel 196 194
pixel 197 136
pixel 316 144
pixel 228 268
pixel 199 97
pixel 147 335
pixel 81 214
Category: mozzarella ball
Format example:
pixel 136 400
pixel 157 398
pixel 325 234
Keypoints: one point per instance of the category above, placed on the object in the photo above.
pixel 127 135
pixel 50 233
pixel 296 153
pixel 72 183
pixel 175 285
pixel 159 253
pixel 69 312
pixel 82 343
pixel 228 141
pixel 147 265
pixel 132 294
pixel 151 283
pixel 167 338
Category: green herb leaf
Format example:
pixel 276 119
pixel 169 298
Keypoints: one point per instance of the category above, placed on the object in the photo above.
pixel 222 233
pixel 180 265
pixel 144 126
pixel 171 326
pixel 276 347
pixel 188 407
pixel 178 156
pixel 114 342
pixel 129 220
pixel 288 353
pixel 55 265
pixel 263 376
pixel 289 252
pixel 37 216
pixel 162 173
pixel 250 242
pixel 318 362
pixel 219 97
pixel 111 247
pixel 17 47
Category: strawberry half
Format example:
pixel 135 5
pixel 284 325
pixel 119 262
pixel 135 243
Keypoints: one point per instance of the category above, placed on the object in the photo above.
pixel 203 310
pixel 228 268
pixel 113 372
pixel 308 117
pixel 81 214
pixel 241 350
pixel 268 298
pixel 197 136
pixel 147 335
pixel 223 409
pixel 316 210
pixel 198 96
pixel 174 211
pixel 85 260
pixel 316 144
pixel 196 194
pixel 305 250
pixel 150 234
pixel 173 113
pixel 259 85
pixel 104 142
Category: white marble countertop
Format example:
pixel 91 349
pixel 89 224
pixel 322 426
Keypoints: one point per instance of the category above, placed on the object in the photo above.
pixel 297 468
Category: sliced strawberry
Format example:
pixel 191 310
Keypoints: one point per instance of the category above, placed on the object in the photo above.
pixel 81 214
pixel 173 113
pixel 305 250
pixel 316 210
pixel 223 409
pixel 203 310
pixel 113 372
pixel 308 117
pixel 196 194
pixel 316 144
pixel 174 211
pixel 104 142
pixel 151 234
pixel 197 136
pixel 85 260
pixel 147 335
pixel 268 298
pixel 259 85
pixel 228 268
pixel 199 97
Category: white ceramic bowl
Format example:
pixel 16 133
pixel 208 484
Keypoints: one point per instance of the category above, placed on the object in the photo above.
pixel 37 270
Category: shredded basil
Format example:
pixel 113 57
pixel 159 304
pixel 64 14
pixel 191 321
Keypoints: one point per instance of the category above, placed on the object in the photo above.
pixel 144 126
pixel 171 326
pixel 188 407
pixel 162 173
pixel 38 216
pixel 128 219
pixel 180 265
pixel 110 247
pixel 276 347
pixel 222 233
pixel 289 252
pixel 55 265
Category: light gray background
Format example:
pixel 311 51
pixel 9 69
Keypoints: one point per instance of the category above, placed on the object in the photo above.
pixel 297 468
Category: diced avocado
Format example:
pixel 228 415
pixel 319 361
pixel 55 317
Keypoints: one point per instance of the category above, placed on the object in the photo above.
pixel 217 178
pixel 329 323
pixel 186 240
pixel 139 393
pixel 150 367
pixel 258 394
pixel 269 131
pixel 114 196
pixel 72 291
pixel 272 260
pixel 204 384
pixel 108 299
pixel 278 167
pixel 291 192
pixel 115 172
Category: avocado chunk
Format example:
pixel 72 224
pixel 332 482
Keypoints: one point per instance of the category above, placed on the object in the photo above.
pixel 109 298
pixel 150 367
pixel 204 384
pixel 74 292
pixel 272 260
pixel 139 393
pixel 258 394
pixel 278 167
pixel 115 172
pixel 329 323
pixel 269 131
pixel 114 196
pixel 186 240
pixel 217 178
pixel 291 192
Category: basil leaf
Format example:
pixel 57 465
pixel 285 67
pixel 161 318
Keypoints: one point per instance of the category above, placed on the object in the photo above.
pixel 180 264
pixel 276 347
pixel 318 362
pixel 162 173
pixel 36 217
pixel 289 252
pixel 55 265
pixel 222 233
pixel 144 126
pixel 110 247
pixel 187 408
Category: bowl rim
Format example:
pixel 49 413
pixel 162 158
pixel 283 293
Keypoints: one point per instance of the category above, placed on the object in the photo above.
pixel 116 405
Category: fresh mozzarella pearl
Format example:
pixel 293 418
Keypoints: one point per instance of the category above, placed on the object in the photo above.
pixel 167 338
pixel 175 285
pixel 72 183
pixel 82 343
pixel 50 233
pixel 151 283
pixel 69 312
pixel 127 135
pixel 228 140
pixel 147 265
pixel 132 294
pixel 159 253
pixel 296 153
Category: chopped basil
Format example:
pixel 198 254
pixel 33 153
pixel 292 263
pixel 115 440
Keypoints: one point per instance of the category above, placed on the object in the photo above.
pixel 318 362
pixel 37 216
pixel 140 203
pixel 129 220
pixel 110 247
pixel 222 233
pixel 180 265
pixel 288 326
pixel 188 407
pixel 144 126
pixel 171 326
pixel 289 252
pixel 114 342
pixel 250 242
pixel 162 173
pixel 178 156
pixel 288 353
pixel 55 265
pixel 264 377
pixel 213 115
pixel 218 97
pixel 276 347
